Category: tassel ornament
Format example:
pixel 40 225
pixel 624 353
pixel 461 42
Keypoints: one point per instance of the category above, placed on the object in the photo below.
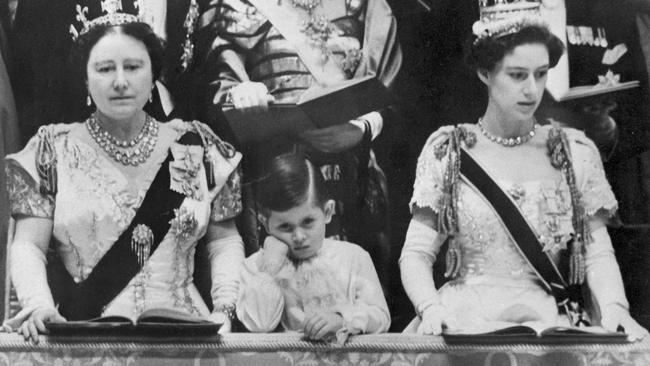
pixel 560 154
pixel 577 262
pixel 453 259
pixel 448 204
pixel 46 162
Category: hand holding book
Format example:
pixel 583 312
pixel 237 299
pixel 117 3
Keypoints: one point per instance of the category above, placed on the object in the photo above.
pixel 252 121
pixel 250 97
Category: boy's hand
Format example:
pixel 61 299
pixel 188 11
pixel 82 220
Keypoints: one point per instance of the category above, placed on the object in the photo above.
pixel 275 247
pixel 322 324
pixel 274 255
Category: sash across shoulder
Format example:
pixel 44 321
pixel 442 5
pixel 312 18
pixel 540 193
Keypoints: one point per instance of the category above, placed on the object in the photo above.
pixel 85 300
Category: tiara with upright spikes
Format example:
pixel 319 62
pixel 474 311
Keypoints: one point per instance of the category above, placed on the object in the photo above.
pixel 112 12
pixel 502 17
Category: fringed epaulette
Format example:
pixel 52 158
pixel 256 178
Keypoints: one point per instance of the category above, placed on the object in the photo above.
pixel 448 203
pixel 209 138
pixel 46 162
pixel 560 155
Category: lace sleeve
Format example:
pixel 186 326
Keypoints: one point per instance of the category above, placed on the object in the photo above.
pixel 597 195
pixel 24 195
pixel 427 188
pixel 228 203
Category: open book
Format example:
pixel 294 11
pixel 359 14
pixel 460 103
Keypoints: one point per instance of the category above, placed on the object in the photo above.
pixel 155 322
pixel 534 332
pixel 318 107
pixel 591 94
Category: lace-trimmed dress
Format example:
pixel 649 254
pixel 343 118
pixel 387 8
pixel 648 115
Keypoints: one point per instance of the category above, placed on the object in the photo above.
pixel 495 283
pixel 95 202
pixel 340 278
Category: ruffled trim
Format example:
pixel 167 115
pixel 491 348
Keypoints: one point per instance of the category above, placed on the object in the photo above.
pixel 428 185
pixel 228 203
pixel 597 195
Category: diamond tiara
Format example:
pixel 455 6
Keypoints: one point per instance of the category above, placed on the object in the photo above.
pixel 502 17
pixel 111 13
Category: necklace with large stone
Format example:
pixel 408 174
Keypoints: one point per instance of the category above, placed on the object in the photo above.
pixel 132 152
pixel 511 141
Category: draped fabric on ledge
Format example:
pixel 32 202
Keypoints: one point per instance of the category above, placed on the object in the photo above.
pixel 291 349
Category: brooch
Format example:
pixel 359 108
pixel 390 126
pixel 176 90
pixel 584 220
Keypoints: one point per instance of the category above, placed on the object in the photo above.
pixel 183 224
pixel 184 171
pixel 141 242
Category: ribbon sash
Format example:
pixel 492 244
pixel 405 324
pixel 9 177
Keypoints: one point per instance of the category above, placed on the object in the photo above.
pixel 86 300
pixel 518 227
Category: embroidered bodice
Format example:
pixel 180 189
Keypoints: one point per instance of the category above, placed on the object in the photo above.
pixel 488 252
pixel 95 203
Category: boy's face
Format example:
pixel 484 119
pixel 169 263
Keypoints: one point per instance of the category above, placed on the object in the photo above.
pixel 302 227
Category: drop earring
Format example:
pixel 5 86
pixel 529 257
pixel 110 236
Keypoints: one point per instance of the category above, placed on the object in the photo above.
pixel 151 98
pixel 89 101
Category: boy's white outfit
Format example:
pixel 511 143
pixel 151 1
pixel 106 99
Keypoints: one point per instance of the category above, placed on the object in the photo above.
pixel 340 277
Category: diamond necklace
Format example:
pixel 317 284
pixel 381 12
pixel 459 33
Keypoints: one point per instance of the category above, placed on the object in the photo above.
pixel 142 147
pixel 511 141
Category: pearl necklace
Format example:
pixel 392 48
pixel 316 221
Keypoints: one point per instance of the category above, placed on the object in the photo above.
pixel 143 144
pixel 508 142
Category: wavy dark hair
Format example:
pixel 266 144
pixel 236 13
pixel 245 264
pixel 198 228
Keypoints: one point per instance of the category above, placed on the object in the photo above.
pixel 486 53
pixel 288 180
pixel 138 30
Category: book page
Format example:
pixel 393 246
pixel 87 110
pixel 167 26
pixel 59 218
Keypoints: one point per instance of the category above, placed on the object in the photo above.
pixel 592 90
pixel 165 315
pixel 487 328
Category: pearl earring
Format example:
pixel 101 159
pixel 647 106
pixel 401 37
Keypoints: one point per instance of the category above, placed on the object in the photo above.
pixel 89 101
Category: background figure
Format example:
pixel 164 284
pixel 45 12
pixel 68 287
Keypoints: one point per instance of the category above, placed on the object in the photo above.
pixel 9 140
pixel 44 84
pixel 109 211
pixel 247 58
pixel 8 115
pixel 624 147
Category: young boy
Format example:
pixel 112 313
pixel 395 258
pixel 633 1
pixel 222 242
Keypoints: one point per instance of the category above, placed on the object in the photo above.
pixel 325 288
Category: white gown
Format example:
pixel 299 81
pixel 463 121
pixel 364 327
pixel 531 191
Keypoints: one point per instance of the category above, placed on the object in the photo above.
pixel 95 203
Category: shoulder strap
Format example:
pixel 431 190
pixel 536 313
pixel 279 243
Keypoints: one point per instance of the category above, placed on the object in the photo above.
pixel 286 20
pixel 520 230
